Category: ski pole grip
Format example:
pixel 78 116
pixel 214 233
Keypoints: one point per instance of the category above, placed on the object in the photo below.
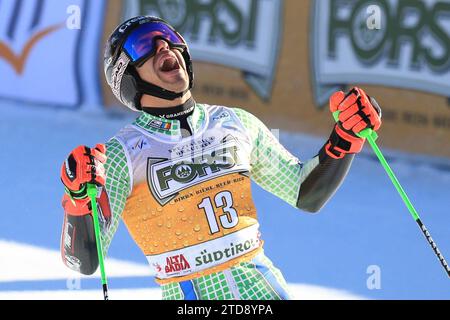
pixel 91 190
pixel 366 133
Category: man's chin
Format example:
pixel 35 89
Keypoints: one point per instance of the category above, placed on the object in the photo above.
pixel 174 81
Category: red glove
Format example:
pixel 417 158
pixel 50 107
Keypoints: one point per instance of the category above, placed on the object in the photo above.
pixel 83 165
pixel 358 112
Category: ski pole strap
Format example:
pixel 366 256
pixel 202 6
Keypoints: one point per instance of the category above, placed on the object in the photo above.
pixel 366 133
pixel 92 194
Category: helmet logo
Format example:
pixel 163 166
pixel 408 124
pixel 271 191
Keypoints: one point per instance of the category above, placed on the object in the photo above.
pixel 130 22
pixel 117 74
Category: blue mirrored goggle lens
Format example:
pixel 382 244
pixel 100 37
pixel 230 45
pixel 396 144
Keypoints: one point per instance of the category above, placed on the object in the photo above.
pixel 141 41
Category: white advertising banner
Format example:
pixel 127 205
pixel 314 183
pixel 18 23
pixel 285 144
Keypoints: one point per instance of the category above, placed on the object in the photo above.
pixel 49 51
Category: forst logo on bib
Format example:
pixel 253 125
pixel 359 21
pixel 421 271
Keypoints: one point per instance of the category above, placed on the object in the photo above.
pixel 167 177
pixel 185 172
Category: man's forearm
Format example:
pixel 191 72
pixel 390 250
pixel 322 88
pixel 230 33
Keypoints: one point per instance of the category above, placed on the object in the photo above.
pixel 323 181
pixel 78 246
pixel 356 111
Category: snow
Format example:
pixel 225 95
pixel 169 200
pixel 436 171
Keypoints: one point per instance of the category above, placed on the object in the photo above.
pixel 36 263
pixel 300 292
pixel 35 270
pixel 322 256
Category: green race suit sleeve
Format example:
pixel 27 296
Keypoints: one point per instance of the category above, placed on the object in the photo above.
pixel 118 186
pixel 305 185
pixel 274 168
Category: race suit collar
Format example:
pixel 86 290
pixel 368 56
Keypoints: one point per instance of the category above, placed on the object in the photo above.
pixel 170 127
pixel 180 113
pixel 177 112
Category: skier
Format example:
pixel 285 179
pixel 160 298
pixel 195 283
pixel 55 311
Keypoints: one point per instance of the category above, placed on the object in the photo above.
pixel 179 175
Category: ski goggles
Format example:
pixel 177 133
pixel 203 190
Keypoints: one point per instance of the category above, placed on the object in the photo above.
pixel 140 44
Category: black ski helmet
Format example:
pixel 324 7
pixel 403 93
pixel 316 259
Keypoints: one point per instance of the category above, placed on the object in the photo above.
pixel 123 77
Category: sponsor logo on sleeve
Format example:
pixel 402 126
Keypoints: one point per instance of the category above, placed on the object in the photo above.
pixel 224 115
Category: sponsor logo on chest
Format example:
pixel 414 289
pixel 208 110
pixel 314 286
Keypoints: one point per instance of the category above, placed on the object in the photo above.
pixel 167 177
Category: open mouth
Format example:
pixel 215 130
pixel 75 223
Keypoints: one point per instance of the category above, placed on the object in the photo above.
pixel 169 64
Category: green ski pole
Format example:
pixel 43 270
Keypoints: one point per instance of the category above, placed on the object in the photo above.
pixel 371 137
pixel 92 193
